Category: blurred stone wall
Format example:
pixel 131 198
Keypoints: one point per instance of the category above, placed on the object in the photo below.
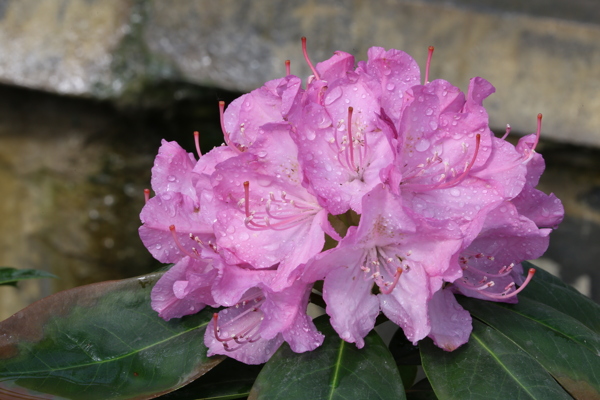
pixel 90 88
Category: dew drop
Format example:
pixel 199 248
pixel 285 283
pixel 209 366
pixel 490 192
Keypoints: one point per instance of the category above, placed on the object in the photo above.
pixel 243 236
pixel 429 111
pixel 171 178
pixel 422 145
pixel 455 192
pixel 390 86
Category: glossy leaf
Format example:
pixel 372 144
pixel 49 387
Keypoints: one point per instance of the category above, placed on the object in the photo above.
pixel 336 370
pixel 229 380
pixel 10 276
pixel 569 350
pixel 489 366
pixel 550 290
pixel 101 341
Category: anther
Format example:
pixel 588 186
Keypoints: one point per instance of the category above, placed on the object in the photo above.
pixel 146 195
pixel 312 68
pixel 288 67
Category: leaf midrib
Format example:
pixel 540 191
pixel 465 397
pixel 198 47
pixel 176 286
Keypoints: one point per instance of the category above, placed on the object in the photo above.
pixel 474 335
pixel 136 351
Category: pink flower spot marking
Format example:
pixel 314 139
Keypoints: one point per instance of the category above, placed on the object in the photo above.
pixel 429 56
pixel 310 64
pixel 243 328
pixel 146 195
pixel 442 182
pixel 509 290
pixel 286 213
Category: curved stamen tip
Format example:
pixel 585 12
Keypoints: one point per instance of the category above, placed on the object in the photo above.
pixel 429 56
pixel 305 52
pixel 288 67
pixel 391 287
pixel 507 132
pixel 178 243
pixel 197 143
pixel 538 132
pixel 247 198
pixel 222 119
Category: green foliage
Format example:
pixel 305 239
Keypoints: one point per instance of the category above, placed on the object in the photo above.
pixel 10 276
pixel 103 341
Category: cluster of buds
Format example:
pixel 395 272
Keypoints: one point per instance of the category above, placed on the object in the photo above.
pixel 394 193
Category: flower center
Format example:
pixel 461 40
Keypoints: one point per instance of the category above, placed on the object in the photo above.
pixel 447 179
pixel 275 212
pixel 240 324
pixel 378 265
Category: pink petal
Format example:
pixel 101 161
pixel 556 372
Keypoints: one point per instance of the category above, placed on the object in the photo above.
pixel 450 323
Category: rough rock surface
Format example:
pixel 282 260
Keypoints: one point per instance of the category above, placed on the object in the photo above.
pixel 541 57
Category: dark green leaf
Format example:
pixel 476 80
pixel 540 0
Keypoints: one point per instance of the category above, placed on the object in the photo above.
pixel 404 352
pixel 565 347
pixel 550 290
pixel 421 390
pixel 336 370
pixel 101 341
pixel 229 380
pixel 10 276
pixel 489 366
pixel 407 357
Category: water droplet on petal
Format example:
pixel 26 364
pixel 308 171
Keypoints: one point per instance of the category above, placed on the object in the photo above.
pixel 455 192
pixel 390 86
pixel 422 145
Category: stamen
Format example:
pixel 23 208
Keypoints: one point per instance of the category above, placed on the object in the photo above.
pixel 390 288
pixel 453 182
pixel 197 142
pixel 247 198
pixel 538 131
pixel 351 140
pixel 288 67
pixel 507 131
pixel 178 243
pixel 429 55
pixel 312 68
pixel 506 294
pixel 506 270
pixel 146 195
pixel 221 115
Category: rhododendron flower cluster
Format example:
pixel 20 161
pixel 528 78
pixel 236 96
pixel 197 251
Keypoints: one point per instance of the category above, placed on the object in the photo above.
pixel 394 193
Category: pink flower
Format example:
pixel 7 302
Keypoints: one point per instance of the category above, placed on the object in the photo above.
pixel 404 257
pixel 433 203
